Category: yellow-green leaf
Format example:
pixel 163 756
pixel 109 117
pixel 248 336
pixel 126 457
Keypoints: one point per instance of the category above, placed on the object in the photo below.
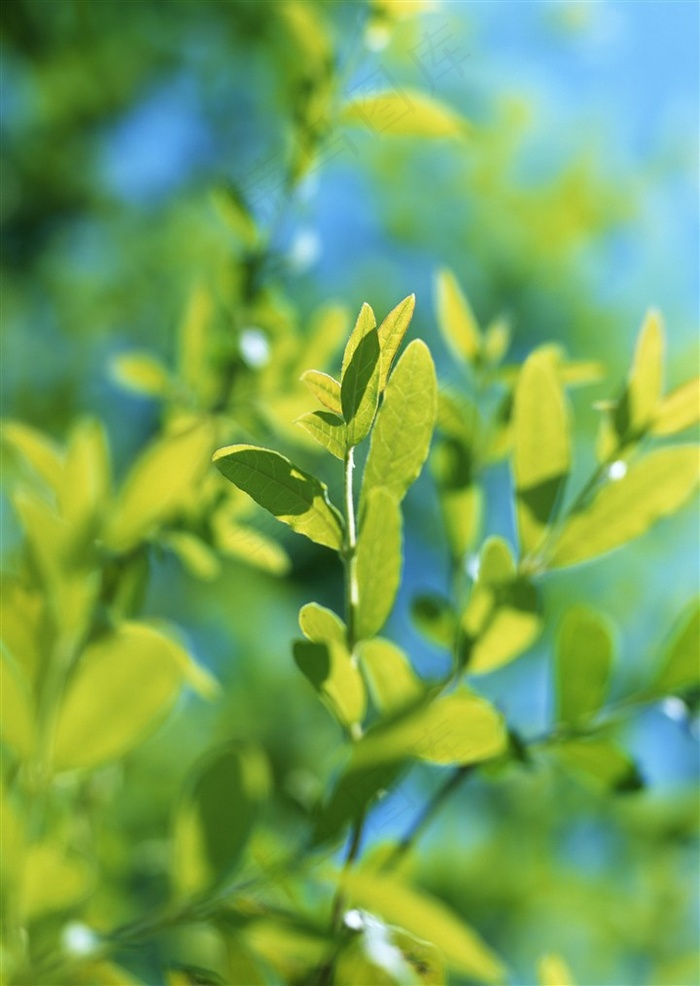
pixel 240 541
pixel 393 683
pixel 321 625
pixel 125 684
pixel 639 402
pixel 552 970
pixel 456 319
pixel 217 814
pixel 287 492
pixel 359 384
pixel 16 708
pixel 626 508
pixel 599 763
pixel 678 410
pixel 391 333
pixel 196 556
pixel 583 660
pixel 85 486
pixel 193 340
pixel 377 561
pixel 53 880
pixel 680 665
pixel 327 429
pixel 325 388
pixel 142 373
pixel 334 674
pixel 542 454
pixel 435 618
pixel 38 451
pixel 235 213
pixel 404 113
pixel 422 915
pixel 404 425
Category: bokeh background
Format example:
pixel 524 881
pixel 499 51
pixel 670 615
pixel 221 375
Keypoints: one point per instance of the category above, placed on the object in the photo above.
pixel 571 209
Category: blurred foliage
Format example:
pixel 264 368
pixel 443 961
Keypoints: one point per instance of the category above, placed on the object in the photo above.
pixel 186 188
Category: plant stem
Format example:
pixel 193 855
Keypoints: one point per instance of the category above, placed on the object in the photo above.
pixel 351 590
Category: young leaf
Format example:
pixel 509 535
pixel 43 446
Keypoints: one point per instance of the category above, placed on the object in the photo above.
pixel 141 373
pixel 359 387
pixel 404 113
pixel 680 666
pixel 86 481
pixel 542 455
pixel 392 680
pixel 124 686
pixel 459 728
pixel 404 426
pixel 624 509
pixel 583 659
pixel 327 429
pixel 456 319
pixel 391 333
pixel 422 915
pixel 321 625
pixel 377 561
pixel 288 493
pixel 332 672
pixel 643 392
pixel 325 388
pixel 678 410
pixel 600 764
pixel 40 453
pixel 217 815
pixel 364 324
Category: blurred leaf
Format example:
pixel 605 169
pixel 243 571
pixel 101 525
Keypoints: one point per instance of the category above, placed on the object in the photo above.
pixel 459 728
pixel 429 919
pixel 329 327
pixel 392 681
pixel 678 410
pixel 583 658
pixel 189 975
pixel 356 788
pixel 359 385
pixel 496 341
pixel 38 451
pixel 624 509
pixel 600 763
pixel 553 971
pixel 242 965
pixel 125 684
pixel 195 554
pixel 103 972
pixel 637 407
pixel 391 333
pixel 325 388
pixel 382 953
pixel 404 113
pixel 217 813
pixel 680 664
pixel 377 561
pixel 53 880
pixel 142 373
pixel 235 213
pixel 334 674
pixel 193 344
pixel 239 541
pixel 85 488
pixel 287 492
pixel 22 621
pixel 404 425
pixel 16 708
pixel 158 484
pixel 436 619
pixel 328 430
pixel 291 948
pixel 456 319
pixel 542 454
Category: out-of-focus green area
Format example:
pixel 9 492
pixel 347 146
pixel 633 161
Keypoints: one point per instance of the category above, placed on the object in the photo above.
pixel 188 224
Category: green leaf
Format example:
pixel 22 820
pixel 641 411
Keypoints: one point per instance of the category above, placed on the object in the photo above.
pixel 496 341
pixel 16 708
pixel 637 407
pixel 125 684
pixel 53 880
pixel 392 681
pixel 377 561
pixel 459 728
pixel 583 658
pixel 429 919
pixel 333 673
pixel 321 625
pixel 391 333
pixel 325 388
pixel 216 816
pixel 234 212
pixel 553 971
pixel 404 113
pixel 624 509
pixel 39 452
pixel 158 484
pixel 86 482
pixel 240 541
pixel 542 454
pixel 404 425
pixel 364 323
pixel 359 385
pixel 287 492
pixel 142 373
pixel 193 345
pixel 456 319
pixel 680 665
pixel 436 619
pixel 678 410
pixel 327 429
pixel 502 618
pixel 329 327
pixel 358 785
pixel 195 555
pixel 599 763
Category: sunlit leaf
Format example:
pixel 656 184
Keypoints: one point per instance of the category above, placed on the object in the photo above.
pixel 638 404
pixel 384 954
pixel 456 319
pixel 325 388
pixel 435 618
pixel 290 947
pixel 193 343
pixel 240 541
pixel 496 341
pixel 427 918
pixel 624 509
pixel 327 429
pixel 53 880
pixel 242 965
pixel 680 664
pixel 583 660
pixel 158 483
pixel 599 763
pixel 287 492
pixel 377 561
pixel 22 616
pixel 333 673
pixel 392 681
pixel 16 708
pixel 404 425
pixel 542 454
pixel 553 971
pixel 328 329
pixel 404 113
pixel 678 410
pixel 86 481
pixel 197 557
pixel 391 333
pixel 217 813
pixel 359 385
pixel 124 686
pixel 142 373
pixel 321 625
pixel 40 453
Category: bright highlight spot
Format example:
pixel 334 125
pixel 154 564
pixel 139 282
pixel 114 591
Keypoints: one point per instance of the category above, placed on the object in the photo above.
pixel 255 349
pixel 78 939
pixel 617 470
pixel 675 708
